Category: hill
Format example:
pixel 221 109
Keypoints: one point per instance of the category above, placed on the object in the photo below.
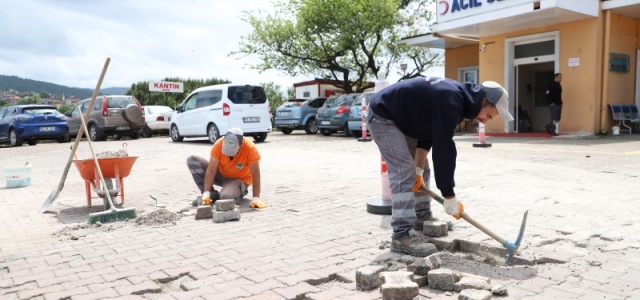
pixel 28 85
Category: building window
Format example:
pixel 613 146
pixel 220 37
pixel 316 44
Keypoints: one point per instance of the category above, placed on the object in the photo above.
pixel 306 94
pixel 469 74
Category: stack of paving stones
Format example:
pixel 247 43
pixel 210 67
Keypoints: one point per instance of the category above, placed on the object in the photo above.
pixel 405 284
pixel 225 210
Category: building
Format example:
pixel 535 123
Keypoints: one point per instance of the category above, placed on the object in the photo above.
pixel 522 43
pixel 319 88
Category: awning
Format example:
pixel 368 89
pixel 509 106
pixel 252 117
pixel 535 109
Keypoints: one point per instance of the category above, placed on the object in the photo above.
pixel 510 17
pixel 629 8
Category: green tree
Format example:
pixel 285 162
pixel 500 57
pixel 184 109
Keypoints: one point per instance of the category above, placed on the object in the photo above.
pixel 65 108
pixel 274 94
pixel 45 95
pixel 291 92
pixel 3 103
pixel 346 40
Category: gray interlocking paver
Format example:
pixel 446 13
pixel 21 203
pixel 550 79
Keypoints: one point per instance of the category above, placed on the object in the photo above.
pixel 316 222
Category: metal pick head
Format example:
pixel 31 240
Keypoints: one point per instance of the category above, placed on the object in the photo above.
pixel 513 247
pixel 157 205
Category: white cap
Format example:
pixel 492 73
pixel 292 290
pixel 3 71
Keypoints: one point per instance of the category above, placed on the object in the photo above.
pixel 495 94
pixel 232 141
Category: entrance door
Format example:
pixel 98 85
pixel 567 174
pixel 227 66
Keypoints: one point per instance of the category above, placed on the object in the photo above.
pixel 531 101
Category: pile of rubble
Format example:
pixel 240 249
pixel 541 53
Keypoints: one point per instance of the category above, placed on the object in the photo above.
pixel 396 283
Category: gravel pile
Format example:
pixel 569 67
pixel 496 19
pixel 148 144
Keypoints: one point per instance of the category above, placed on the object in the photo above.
pixel 158 217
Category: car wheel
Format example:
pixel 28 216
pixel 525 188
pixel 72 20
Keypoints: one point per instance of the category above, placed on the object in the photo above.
pixel 260 137
pixel 32 142
pixel 133 114
pixel 175 134
pixel 286 130
pixel 95 134
pixel 134 135
pixel 325 132
pixel 117 137
pixel 14 139
pixel 64 139
pixel 146 132
pixel 311 127
pixel 356 133
pixel 213 133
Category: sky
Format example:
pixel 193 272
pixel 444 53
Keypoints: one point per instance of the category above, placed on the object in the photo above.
pixel 66 42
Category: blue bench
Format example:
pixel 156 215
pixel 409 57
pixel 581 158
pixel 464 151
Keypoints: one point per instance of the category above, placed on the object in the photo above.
pixel 625 113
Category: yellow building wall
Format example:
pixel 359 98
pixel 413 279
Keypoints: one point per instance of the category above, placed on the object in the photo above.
pixel 623 38
pixel 461 57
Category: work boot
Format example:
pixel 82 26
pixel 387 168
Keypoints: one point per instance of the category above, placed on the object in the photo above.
pixel 412 245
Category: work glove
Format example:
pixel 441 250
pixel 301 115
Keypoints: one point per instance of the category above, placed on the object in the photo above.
pixel 453 207
pixel 206 198
pixel 256 203
pixel 419 180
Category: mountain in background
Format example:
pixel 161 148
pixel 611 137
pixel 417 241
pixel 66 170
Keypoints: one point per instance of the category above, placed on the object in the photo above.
pixel 28 85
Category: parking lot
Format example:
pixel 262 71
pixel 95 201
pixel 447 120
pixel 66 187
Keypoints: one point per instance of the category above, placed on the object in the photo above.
pixel 581 194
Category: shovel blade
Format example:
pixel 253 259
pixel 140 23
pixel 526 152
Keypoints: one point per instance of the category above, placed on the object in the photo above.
pixel 52 197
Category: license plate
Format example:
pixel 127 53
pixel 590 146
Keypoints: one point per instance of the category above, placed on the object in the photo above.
pixel 325 122
pixel 123 127
pixel 284 113
pixel 48 128
pixel 251 119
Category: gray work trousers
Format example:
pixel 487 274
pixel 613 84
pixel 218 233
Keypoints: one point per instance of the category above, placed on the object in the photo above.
pixel 399 152
pixel 231 188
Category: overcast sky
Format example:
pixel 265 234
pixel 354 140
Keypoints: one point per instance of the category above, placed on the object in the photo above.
pixel 67 41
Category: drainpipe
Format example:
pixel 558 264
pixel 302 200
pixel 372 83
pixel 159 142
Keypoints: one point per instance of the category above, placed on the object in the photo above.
pixel 605 72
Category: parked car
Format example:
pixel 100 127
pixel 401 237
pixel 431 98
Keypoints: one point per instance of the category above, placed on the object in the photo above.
pixel 116 115
pixel 299 114
pixel 355 116
pixel 32 123
pixel 334 114
pixel 212 110
pixel 157 118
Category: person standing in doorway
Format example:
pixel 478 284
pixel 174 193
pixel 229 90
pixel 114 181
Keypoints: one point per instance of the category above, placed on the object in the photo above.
pixel 554 96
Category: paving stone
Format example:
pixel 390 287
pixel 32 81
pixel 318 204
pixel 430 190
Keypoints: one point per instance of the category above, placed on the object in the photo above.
pixel 104 294
pixel 471 283
pixel 224 216
pixel 435 228
pixel 499 290
pixel 267 295
pixel 224 205
pixel 330 294
pixel 421 280
pixel 473 294
pixel 368 277
pixel 421 266
pixel 398 286
pixel 204 212
pixel 441 279
pixel 139 289
pixel 66 294
pixel 296 291
pixel 225 294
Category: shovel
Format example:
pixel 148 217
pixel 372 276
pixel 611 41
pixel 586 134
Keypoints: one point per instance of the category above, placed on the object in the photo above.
pixel 511 246
pixel 55 193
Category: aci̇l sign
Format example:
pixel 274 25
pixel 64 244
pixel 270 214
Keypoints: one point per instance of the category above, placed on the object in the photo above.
pixel 455 9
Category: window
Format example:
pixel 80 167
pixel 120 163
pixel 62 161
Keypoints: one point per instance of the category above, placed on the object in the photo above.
pixel 2 111
pixel 306 94
pixel 469 74
pixel 535 49
pixel 247 94
pixel 75 112
pixel 317 103
pixel 190 103
pixel 206 98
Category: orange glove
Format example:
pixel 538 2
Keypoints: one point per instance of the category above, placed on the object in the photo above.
pixel 206 198
pixel 454 207
pixel 256 203
pixel 419 180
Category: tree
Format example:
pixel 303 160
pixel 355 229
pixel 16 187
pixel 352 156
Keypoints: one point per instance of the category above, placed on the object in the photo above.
pixel 274 94
pixel 344 40
pixel 65 108
pixel 3 103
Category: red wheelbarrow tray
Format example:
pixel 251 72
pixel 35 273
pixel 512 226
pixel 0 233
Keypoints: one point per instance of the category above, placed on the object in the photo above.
pixel 112 167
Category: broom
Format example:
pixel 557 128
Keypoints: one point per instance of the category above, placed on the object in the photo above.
pixel 112 213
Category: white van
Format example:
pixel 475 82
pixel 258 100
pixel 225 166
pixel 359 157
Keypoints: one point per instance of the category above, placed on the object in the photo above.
pixel 211 110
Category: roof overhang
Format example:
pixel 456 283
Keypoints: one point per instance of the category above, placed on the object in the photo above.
pixel 629 8
pixel 512 17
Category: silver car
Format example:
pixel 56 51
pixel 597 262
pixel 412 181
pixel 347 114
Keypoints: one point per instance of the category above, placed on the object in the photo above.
pixel 110 115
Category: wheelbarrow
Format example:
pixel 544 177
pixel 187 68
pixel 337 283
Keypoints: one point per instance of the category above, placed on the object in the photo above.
pixel 116 168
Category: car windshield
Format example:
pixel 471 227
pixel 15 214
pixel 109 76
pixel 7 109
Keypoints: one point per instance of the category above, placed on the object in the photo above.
pixel 119 102
pixel 366 97
pixel 335 101
pixel 159 109
pixel 247 94
pixel 39 110
pixel 294 102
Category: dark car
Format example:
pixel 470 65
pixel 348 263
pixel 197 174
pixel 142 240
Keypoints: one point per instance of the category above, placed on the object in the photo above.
pixel 32 123
pixel 298 114
pixel 334 114
pixel 116 115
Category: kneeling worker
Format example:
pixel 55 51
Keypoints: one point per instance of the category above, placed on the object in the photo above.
pixel 233 165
